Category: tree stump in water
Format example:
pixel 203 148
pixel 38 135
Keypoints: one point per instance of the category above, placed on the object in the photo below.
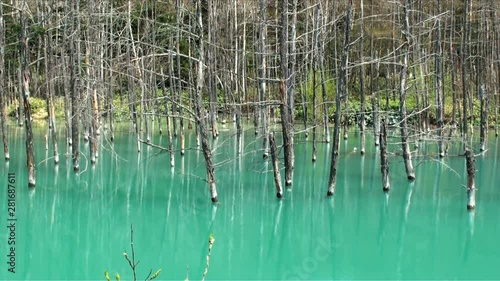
pixel 471 184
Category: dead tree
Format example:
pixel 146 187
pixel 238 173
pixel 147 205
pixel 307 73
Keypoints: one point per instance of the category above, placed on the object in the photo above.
pixel 276 166
pixel 25 90
pixel 439 83
pixel 362 121
pixel 315 55
pixel 464 58
pixel 410 173
pixel 471 184
pixel 262 76
pixel 74 69
pixel 384 160
pixel 3 93
pixel 198 105
pixel 341 92
pixel 286 122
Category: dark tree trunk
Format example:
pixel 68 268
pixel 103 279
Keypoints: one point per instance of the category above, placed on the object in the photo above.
pixel 384 159
pixel 341 92
pixel 74 67
pixel 286 122
pixel 484 115
pixel 471 184
pixel 276 166
pixel 198 106
pixel 25 90
pixel 439 84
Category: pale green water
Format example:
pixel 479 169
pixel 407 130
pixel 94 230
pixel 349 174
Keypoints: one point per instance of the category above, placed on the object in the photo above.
pixel 76 227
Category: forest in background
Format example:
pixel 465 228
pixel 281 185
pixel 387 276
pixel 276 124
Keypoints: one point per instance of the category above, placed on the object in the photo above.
pixel 429 68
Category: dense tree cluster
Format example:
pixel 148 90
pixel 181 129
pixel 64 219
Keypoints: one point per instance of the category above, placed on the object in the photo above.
pixel 428 67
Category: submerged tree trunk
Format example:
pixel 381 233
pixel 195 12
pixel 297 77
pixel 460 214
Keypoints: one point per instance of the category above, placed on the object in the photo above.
pixel 471 184
pixel 341 92
pixel 25 90
pixel 276 166
pixel 410 173
pixel 199 110
pixel 384 160
pixel 286 122
pixel 3 92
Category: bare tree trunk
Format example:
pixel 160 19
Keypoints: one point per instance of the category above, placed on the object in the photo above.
pixel 262 75
pixel 25 90
pixel 362 124
pixel 131 75
pixel 3 92
pixel 315 56
pixel 286 123
pixel 326 122
pixel 341 92
pixel 402 97
pixel 49 74
pixel 292 70
pixel 211 64
pixel 74 68
pixel 111 85
pixel 179 85
pixel 384 160
pixel 494 58
pixel 169 129
pixel 465 54
pixel 439 83
pixel 452 66
pixel 276 166
pixel 198 105
pixel 471 184
pixel 484 113
pixel 375 95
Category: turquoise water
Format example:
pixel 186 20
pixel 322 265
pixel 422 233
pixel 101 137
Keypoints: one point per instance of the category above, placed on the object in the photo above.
pixel 75 227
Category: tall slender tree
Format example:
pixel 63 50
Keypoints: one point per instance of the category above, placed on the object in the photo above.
pixel 3 92
pixel 340 94
pixel 198 104
pixel 25 90
pixel 286 123
pixel 262 76
pixel 410 173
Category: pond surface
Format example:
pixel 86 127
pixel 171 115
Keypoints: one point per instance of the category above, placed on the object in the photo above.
pixel 75 227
